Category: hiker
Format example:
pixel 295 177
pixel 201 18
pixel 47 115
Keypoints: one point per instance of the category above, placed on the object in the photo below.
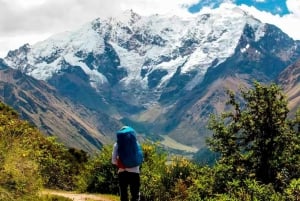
pixel 127 155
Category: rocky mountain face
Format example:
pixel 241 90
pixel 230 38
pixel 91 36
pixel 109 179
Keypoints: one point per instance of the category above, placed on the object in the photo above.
pixel 163 75
pixel 40 104
pixel 289 79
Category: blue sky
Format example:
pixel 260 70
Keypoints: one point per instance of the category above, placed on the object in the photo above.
pixel 276 7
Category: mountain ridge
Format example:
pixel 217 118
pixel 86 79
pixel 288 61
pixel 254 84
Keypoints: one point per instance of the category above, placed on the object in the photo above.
pixel 289 79
pixel 40 104
pixel 164 75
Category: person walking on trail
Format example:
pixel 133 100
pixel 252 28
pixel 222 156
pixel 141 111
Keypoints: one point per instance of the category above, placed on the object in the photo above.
pixel 127 155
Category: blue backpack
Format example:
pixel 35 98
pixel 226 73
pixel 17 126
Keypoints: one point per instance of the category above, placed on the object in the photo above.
pixel 129 150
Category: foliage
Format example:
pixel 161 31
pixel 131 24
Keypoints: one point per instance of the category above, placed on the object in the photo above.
pixel 59 166
pixel 151 171
pixel 19 176
pixel 188 180
pixel 29 160
pixel 206 157
pixel 99 174
pixel 293 190
pixel 255 139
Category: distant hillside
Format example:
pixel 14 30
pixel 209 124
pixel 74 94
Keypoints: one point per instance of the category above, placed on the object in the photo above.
pixel 289 79
pixel 36 101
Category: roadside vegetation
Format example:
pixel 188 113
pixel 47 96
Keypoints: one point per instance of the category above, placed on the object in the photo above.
pixel 254 155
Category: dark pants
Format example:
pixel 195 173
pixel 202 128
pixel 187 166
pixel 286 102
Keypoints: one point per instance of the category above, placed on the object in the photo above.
pixel 131 180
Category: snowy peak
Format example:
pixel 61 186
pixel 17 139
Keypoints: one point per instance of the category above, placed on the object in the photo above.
pixel 134 35
pixel 144 51
pixel 128 17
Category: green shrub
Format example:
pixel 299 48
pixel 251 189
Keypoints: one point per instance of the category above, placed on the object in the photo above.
pixel 28 159
pixel 19 178
pixel 59 166
pixel 19 172
pixel 292 192
pixel 152 170
pixel 99 174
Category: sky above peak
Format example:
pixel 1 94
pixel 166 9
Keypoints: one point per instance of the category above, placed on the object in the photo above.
pixel 30 21
pixel 275 7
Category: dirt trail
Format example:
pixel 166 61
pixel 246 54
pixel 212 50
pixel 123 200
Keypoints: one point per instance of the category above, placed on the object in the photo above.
pixel 78 196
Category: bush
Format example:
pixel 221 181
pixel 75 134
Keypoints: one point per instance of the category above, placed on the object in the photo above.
pixel 19 176
pixel 151 172
pixel 28 159
pixel 19 172
pixel 292 192
pixel 99 174
pixel 59 166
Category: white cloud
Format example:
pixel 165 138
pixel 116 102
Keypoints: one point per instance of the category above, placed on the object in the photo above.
pixel 147 7
pixel 33 20
pixel 287 23
pixel 12 42
pixel 294 7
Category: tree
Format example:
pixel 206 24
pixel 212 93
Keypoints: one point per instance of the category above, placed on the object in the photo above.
pixel 255 139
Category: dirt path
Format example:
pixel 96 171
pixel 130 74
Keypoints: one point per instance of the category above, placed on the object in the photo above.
pixel 79 196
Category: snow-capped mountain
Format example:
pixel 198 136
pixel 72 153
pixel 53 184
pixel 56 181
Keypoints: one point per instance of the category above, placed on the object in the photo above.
pixel 165 73
pixel 140 50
